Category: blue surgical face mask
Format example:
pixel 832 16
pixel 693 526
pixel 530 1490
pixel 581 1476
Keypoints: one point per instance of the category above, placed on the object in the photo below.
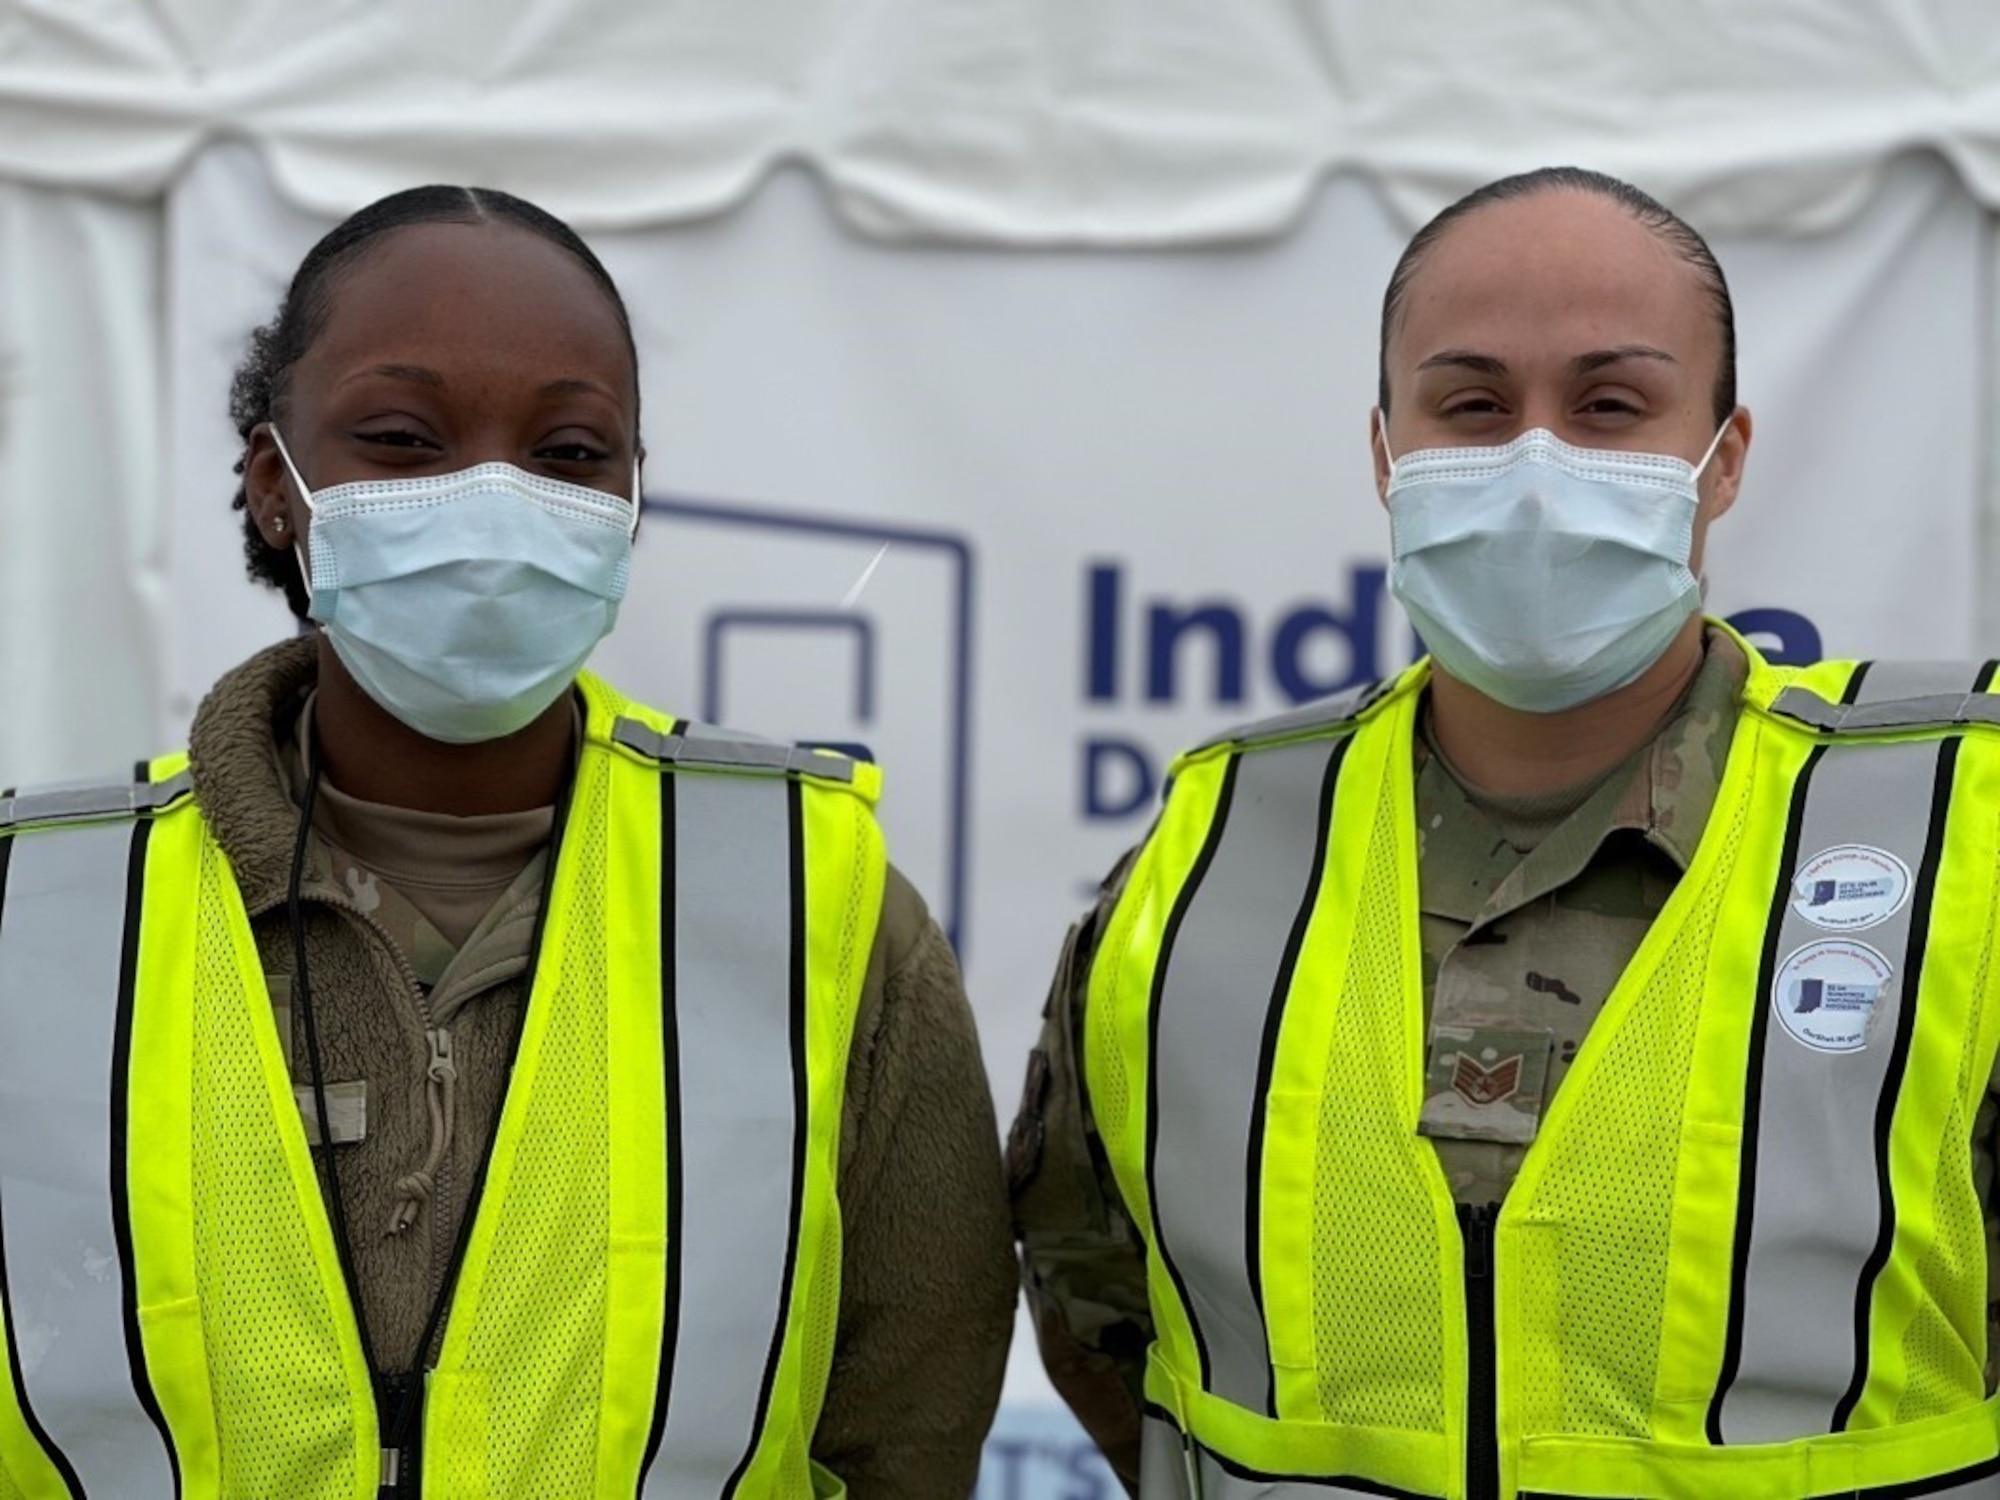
pixel 1540 574
pixel 465 604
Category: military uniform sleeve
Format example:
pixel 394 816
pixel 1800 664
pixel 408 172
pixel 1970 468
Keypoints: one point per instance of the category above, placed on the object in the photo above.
pixel 1082 1260
pixel 927 1284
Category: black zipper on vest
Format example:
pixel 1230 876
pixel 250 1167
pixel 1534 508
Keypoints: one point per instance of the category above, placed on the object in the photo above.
pixel 399 1403
pixel 1482 1417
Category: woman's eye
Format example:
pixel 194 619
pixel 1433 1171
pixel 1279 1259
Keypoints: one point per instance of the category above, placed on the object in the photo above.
pixel 1613 406
pixel 572 453
pixel 397 437
pixel 1473 406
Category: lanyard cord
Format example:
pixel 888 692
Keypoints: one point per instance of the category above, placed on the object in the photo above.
pixel 410 1380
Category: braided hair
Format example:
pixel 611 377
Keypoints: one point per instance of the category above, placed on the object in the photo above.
pixel 258 392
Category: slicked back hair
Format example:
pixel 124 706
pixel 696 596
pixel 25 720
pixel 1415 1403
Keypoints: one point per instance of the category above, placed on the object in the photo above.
pixel 1675 232
pixel 258 392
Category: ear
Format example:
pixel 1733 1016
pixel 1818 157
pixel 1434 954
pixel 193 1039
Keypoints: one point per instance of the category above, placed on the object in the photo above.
pixel 1378 451
pixel 274 501
pixel 1725 470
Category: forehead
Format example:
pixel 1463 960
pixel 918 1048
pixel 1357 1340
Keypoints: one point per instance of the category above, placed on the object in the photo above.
pixel 1556 272
pixel 441 295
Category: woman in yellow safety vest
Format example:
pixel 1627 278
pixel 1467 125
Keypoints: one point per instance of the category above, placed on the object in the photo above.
pixel 449 1077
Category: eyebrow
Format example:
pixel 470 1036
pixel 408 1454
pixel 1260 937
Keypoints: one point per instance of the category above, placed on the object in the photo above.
pixel 575 387
pixel 1583 364
pixel 1465 359
pixel 426 376
pixel 1597 359
pixel 415 374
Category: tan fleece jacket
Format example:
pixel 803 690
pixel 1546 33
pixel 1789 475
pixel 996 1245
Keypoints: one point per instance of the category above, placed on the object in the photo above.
pixel 927 1275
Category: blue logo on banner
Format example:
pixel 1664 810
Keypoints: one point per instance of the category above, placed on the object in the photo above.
pixel 725 623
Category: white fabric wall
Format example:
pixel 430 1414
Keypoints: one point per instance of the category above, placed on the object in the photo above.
pixel 81 498
pixel 1114 122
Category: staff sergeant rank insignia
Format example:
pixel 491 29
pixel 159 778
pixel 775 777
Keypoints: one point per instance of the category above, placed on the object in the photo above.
pixel 1485 1083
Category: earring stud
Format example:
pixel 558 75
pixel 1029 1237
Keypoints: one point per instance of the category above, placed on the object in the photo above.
pixel 278 525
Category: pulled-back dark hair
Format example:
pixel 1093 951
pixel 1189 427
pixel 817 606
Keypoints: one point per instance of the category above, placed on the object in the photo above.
pixel 1678 235
pixel 258 392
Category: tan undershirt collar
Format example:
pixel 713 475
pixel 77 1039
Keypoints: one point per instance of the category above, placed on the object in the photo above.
pixel 450 868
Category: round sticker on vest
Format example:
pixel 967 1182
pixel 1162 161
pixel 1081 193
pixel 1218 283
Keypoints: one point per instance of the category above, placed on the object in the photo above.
pixel 1849 887
pixel 1828 994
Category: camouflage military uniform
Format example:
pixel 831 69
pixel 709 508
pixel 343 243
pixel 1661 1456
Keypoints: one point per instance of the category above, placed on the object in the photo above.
pixel 1531 908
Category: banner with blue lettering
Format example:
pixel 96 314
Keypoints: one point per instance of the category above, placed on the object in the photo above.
pixel 1023 523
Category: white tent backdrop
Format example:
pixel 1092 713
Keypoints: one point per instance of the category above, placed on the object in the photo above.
pixel 1123 476
pixel 1115 122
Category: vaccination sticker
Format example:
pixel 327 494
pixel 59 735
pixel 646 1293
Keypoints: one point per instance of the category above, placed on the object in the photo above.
pixel 1849 887
pixel 1827 993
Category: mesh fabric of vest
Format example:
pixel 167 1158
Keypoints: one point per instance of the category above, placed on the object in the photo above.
pixel 1936 1356
pixel 1378 1338
pixel 283 1409
pixel 534 1355
pixel 1601 1276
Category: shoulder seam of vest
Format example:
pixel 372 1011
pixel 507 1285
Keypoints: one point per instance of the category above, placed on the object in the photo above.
pixel 1940 711
pixel 1322 713
pixel 702 749
pixel 92 803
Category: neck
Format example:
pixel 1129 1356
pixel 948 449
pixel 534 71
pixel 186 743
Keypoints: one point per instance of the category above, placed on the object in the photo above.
pixel 1506 751
pixel 372 755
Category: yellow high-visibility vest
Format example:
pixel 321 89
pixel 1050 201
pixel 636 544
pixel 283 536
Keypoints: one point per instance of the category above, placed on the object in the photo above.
pixel 649 1288
pixel 1744 1255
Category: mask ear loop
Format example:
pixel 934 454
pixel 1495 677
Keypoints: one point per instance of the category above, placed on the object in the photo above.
pixel 291 468
pixel 1713 443
pixel 638 500
pixel 1382 432
pixel 305 495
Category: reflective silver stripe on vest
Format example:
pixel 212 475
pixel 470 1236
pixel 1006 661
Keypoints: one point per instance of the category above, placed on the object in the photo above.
pixel 1321 713
pixel 736 1011
pixel 1944 712
pixel 62 911
pixel 1172 1470
pixel 91 803
pixel 1898 681
pixel 1224 971
pixel 1816 1203
pixel 1897 695
pixel 699 747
